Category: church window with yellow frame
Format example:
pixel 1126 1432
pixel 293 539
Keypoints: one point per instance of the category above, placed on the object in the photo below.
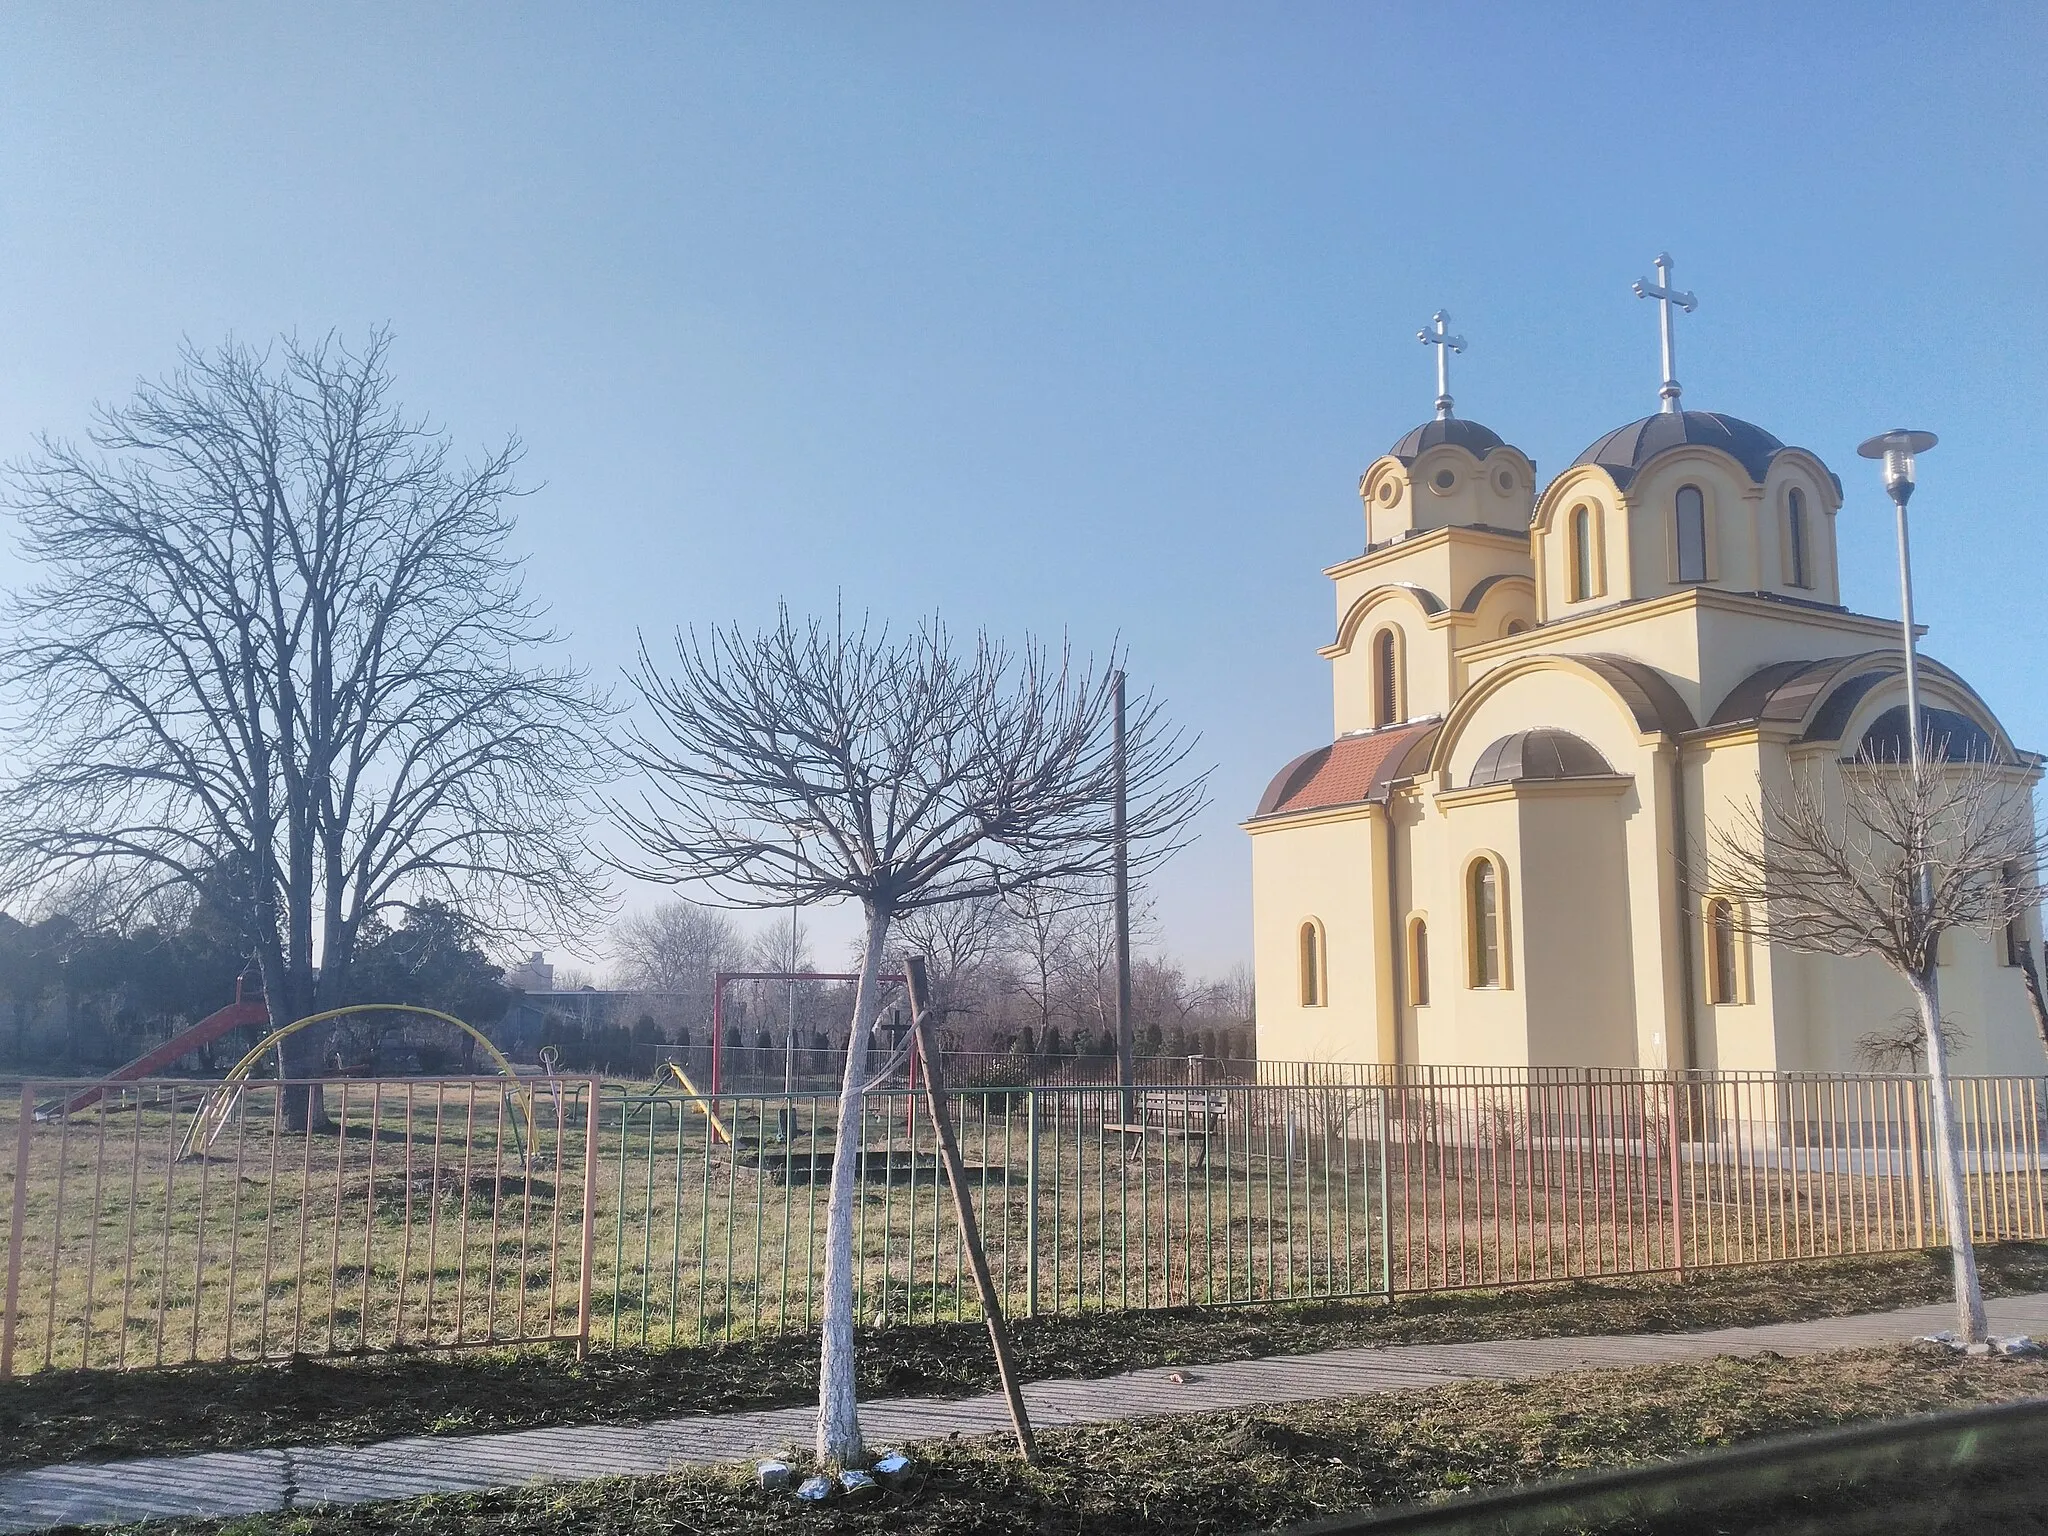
pixel 1315 991
pixel 1690 510
pixel 1386 678
pixel 1418 961
pixel 1486 955
pixel 1724 959
pixel 1585 554
pixel 1795 540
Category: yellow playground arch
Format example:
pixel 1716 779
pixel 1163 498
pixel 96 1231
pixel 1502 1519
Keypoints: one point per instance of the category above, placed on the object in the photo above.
pixel 219 1106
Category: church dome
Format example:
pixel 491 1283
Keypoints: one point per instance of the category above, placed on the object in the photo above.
pixel 1626 450
pixel 1538 754
pixel 1469 435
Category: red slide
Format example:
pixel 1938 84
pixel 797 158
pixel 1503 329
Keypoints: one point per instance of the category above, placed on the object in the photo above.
pixel 243 1010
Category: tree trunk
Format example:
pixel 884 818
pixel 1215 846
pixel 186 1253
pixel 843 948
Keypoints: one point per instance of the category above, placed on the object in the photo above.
pixel 1948 1157
pixel 292 997
pixel 2035 1001
pixel 839 1440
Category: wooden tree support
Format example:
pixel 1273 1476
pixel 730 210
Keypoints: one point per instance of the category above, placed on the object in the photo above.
pixel 963 1208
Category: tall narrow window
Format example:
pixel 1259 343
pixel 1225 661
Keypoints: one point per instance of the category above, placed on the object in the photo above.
pixel 1386 679
pixel 1485 922
pixel 1795 536
pixel 1311 964
pixel 2016 929
pixel 1418 963
pixel 1582 553
pixel 1721 941
pixel 1692 534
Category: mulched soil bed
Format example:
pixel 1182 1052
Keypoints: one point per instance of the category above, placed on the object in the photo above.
pixel 103 1415
pixel 1219 1473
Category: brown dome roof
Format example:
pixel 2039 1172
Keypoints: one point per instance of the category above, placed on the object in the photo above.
pixel 1538 754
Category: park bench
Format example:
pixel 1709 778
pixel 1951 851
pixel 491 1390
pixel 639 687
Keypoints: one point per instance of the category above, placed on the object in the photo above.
pixel 1192 1112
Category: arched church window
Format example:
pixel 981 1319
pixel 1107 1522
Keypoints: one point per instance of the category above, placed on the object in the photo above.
pixel 1692 534
pixel 1516 627
pixel 1795 536
pixel 1312 963
pixel 1418 963
pixel 1386 679
pixel 1721 944
pixel 1484 899
pixel 1582 554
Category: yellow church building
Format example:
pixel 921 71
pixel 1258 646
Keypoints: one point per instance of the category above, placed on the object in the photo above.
pixel 1543 694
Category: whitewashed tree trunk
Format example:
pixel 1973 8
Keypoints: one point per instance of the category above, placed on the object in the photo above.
pixel 1948 1154
pixel 839 1439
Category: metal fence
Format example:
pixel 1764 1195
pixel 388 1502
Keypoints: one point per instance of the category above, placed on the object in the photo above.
pixel 179 1222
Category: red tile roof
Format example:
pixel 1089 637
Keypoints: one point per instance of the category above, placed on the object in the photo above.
pixel 1349 771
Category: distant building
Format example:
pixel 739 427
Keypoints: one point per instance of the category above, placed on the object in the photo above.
pixel 533 974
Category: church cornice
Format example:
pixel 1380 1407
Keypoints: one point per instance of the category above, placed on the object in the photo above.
pixel 1358 810
pixel 1595 784
pixel 1381 553
pixel 1621 615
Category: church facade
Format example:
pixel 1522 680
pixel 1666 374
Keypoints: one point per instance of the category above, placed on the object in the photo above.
pixel 1544 696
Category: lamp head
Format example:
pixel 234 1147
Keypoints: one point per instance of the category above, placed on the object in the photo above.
pixel 1897 448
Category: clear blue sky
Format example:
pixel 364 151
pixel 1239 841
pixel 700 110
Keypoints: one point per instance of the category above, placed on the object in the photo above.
pixel 1064 317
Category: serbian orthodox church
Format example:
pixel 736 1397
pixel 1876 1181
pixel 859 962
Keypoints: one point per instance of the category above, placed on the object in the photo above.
pixel 1545 694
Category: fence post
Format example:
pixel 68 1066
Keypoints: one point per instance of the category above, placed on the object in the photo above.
pixel 15 1230
pixel 1913 1152
pixel 590 1143
pixel 1677 1180
pixel 1386 1191
pixel 1031 1202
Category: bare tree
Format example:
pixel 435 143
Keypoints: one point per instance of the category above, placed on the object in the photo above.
pixel 1901 1045
pixel 962 943
pixel 1091 957
pixel 918 775
pixel 676 946
pixel 1884 867
pixel 1041 928
pixel 276 629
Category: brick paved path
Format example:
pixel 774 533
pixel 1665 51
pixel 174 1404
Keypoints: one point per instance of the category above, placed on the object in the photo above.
pixel 231 1483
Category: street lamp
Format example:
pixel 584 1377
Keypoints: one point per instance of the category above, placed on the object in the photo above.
pixel 1897 448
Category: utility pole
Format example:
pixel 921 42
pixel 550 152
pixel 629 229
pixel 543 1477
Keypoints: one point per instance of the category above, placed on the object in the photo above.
pixel 1126 1052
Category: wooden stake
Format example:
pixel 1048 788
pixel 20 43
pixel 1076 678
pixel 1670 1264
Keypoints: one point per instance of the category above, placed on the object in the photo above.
pixel 963 1208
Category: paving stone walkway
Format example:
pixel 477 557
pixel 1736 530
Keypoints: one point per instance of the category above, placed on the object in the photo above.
pixel 230 1483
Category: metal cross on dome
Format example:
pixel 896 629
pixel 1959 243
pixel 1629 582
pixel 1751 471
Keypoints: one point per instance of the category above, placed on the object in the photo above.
pixel 1439 336
pixel 1666 296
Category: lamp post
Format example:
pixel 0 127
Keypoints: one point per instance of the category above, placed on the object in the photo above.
pixel 1897 448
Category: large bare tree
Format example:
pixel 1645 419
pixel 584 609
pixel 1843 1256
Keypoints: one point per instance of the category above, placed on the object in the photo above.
pixel 275 628
pixel 1877 860
pixel 817 761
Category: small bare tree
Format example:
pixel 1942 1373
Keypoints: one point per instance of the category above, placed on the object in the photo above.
pixel 1885 868
pixel 1900 1047
pixel 918 775
pixel 962 944
pixel 275 630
